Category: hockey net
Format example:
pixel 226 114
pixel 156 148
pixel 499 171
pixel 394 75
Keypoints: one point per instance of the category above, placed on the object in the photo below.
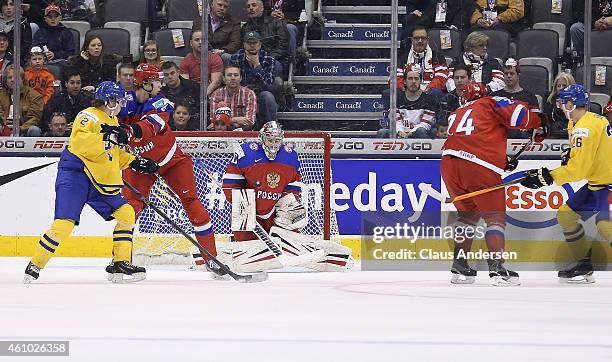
pixel 156 242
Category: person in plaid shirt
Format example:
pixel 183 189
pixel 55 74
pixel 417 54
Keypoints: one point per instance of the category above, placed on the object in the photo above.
pixel 241 100
pixel 257 72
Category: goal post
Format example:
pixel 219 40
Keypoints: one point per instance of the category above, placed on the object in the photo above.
pixel 212 151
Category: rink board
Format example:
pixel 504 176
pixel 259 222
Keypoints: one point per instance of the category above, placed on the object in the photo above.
pixel 360 186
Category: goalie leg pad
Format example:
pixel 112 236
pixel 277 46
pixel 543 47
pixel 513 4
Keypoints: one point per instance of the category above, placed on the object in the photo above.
pixel 336 257
pixel 249 256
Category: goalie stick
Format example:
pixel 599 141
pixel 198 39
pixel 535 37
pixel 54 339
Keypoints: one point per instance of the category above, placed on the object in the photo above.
pixel 276 250
pixel 223 269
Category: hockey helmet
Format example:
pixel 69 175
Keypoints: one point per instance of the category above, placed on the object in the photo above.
pixel 271 136
pixel 473 90
pixel 146 71
pixel 575 93
pixel 110 91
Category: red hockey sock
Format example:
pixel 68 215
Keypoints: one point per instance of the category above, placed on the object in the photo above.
pixel 495 238
pixel 206 237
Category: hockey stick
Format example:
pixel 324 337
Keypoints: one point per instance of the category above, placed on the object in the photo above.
pixel 276 250
pixel 429 190
pixel 223 269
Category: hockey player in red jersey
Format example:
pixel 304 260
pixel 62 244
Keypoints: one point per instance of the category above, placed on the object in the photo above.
pixel 473 158
pixel 146 119
pixel 271 170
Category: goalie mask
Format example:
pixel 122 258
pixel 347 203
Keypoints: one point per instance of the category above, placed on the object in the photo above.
pixel 271 136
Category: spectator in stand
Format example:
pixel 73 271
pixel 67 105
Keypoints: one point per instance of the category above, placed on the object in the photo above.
pixel 91 63
pixel 505 15
pixel 81 10
pixel 454 14
pixel 553 114
pixel 58 126
pixel 6 57
pixel 223 30
pixel 125 76
pixel 31 104
pixel 70 101
pixel 416 110
pixel 7 24
pixel 182 120
pixel 273 33
pixel 241 100
pixel 181 90
pixel 38 76
pixel 190 66
pixel 452 100
pixel 150 54
pixel 514 91
pixel 602 20
pixel 54 36
pixel 257 73
pixel 5 131
pixel 289 12
pixel 484 69
pixel 222 121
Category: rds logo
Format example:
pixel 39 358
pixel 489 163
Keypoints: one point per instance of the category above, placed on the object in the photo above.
pixel 548 199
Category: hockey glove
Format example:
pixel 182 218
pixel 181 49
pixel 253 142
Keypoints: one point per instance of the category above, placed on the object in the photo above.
pixel 540 133
pixel 117 135
pixel 511 164
pixel 536 178
pixel 565 156
pixel 144 165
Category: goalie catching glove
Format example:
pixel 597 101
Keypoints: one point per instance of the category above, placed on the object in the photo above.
pixel 144 165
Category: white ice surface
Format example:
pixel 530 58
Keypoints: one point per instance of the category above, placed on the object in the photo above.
pixel 180 315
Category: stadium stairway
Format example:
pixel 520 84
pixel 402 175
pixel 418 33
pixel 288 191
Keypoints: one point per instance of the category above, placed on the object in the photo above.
pixel 348 69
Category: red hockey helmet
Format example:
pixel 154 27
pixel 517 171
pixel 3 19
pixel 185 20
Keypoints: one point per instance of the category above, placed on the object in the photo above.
pixel 146 71
pixel 473 90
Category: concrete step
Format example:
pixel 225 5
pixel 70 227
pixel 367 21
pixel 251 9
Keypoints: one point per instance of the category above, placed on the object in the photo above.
pixel 348 67
pixel 369 32
pixel 353 103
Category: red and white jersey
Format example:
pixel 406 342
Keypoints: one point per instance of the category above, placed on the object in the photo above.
pixel 158 142
pixel 477 131
pixel 271 179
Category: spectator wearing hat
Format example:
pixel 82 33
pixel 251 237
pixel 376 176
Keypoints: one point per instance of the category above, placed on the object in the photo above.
pixel 190 66
pixel 257 73
pixel 7 25
pixel 273 33
pixel 241 100
pixel 38 76
pixel 514 91
pixel 55 39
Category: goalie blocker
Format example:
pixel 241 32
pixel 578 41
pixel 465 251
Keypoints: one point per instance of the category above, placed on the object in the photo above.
pixel 291 216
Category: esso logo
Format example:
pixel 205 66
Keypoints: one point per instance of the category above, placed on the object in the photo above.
pixel 518 198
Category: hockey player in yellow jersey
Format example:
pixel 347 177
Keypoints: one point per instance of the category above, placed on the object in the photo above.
pixel 89 172
pixel 588 159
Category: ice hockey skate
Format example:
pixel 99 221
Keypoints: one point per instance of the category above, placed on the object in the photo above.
pixel 124 272
pixel 31 273
pixel 462 273
pixel 580 273
pixel 502 277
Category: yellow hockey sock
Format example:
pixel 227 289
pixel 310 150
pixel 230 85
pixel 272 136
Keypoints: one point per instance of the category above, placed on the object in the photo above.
pixel 605 229
pixel 573 231
pixel 49 242
pixel 122 235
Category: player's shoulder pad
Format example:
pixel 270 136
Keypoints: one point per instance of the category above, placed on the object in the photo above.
pixel 161 104
pixel 288 156
pixel 502 101
pixel 89 114
pixel 246 153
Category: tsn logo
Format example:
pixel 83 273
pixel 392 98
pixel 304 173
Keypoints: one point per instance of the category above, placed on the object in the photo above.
pixel 518 198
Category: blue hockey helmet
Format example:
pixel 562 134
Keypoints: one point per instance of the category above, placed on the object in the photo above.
pixel 575 93
pixel 109 90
